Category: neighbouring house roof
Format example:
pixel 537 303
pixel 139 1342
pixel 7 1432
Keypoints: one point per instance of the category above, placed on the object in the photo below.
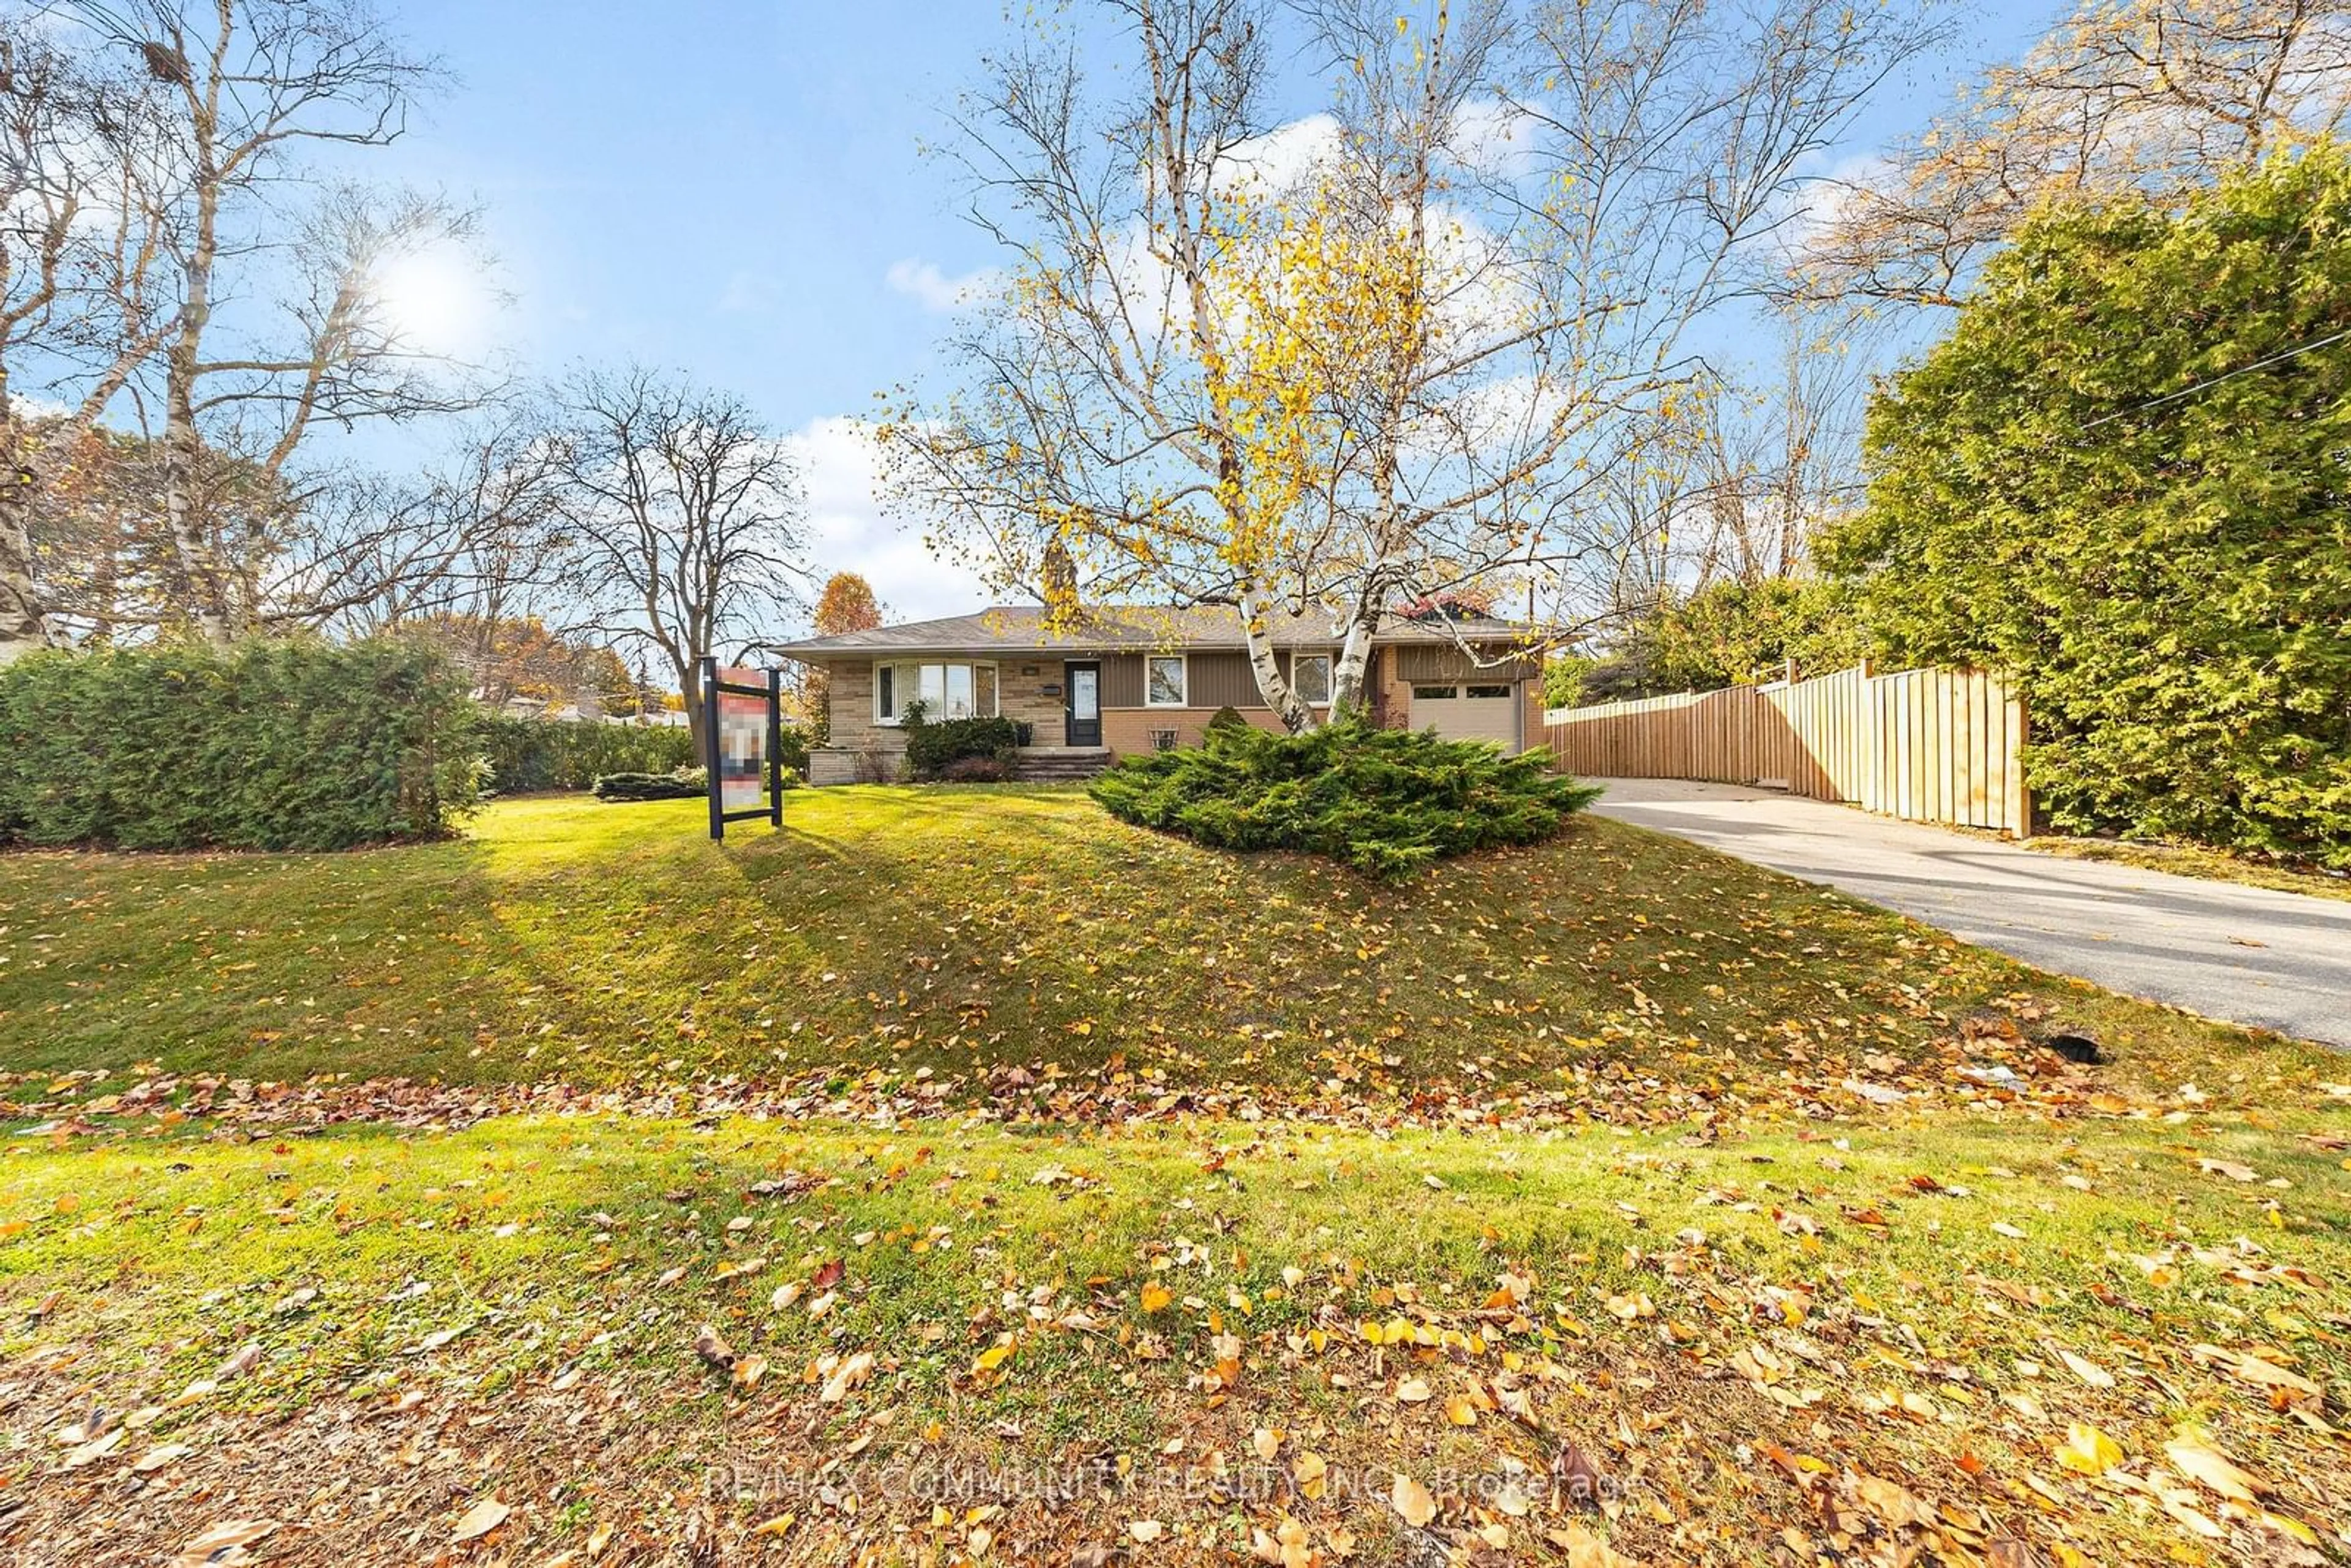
pixel 1021 628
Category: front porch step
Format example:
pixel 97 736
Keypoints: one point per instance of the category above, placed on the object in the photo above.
pixel 1060 764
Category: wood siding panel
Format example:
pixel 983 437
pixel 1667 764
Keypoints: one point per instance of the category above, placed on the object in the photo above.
pixel 1122 682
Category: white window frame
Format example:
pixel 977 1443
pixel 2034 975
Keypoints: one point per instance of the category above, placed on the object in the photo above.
pixel 1184 663
pixel 900 686
pixel 1330 676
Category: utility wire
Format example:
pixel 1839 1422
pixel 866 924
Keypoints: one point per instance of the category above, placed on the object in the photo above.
pixel 2216 381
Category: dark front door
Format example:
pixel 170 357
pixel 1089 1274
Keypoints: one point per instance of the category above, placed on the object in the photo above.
pixel 1081 707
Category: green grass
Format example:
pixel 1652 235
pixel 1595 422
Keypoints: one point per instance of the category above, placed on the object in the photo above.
pixel 514 1291
pixel 1793 1280
pixel 956 929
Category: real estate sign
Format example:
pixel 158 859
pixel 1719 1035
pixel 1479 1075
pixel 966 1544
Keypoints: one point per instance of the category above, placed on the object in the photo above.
pixel 743 744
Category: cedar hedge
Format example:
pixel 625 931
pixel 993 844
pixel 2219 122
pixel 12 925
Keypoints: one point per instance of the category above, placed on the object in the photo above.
pixel 265 746
pixel 528 755
pixel 2083 485
pixel 1387 802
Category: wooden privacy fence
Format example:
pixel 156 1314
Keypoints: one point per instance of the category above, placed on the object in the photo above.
pixel 1931 746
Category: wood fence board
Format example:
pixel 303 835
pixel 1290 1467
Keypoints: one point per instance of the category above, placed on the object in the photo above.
pixel 1927 744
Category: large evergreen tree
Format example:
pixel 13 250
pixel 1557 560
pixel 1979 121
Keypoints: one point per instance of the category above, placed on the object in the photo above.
pixel 2126 477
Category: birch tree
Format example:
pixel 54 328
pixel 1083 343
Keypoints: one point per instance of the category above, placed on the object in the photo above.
pixel 246 89
pixel 1335 365
pixel 80 303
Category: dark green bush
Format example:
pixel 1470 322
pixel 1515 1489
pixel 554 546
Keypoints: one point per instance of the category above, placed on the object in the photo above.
pixel 1227 717
pixel 273 746
pixel 684 784
pixel 931 747
pixel 2082 487
pixel 1386 801
pixel 532 754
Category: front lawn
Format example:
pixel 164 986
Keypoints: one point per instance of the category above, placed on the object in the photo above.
pixel 1053 1191
pixel 963 930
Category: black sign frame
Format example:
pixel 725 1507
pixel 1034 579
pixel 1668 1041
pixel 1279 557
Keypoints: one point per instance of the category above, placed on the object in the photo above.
pixel 773 693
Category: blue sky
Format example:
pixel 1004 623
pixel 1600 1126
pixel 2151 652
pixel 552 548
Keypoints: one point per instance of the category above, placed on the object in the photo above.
pixel 736 190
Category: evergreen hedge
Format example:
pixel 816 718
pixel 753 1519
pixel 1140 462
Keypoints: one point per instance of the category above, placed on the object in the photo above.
pixel 528 755
pixel 1386 801
pixel 2125 478
pixel 266 745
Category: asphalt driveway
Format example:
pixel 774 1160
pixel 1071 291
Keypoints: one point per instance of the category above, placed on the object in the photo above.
pixel 2248 954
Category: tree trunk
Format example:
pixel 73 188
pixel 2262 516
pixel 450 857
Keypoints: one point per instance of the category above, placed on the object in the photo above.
pixel 689 681
pixel 1280 695
pixel 24 625
pixel 191 544
pixel 1347 671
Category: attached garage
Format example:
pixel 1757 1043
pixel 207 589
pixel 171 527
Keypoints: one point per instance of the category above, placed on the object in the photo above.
pixel 1469 710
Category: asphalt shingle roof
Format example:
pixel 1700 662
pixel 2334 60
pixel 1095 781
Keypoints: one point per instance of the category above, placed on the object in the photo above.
pixel 1108 627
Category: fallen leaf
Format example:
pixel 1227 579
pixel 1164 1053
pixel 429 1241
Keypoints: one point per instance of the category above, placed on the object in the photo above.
pixel 848 1376
pixel 1411 1500
pixel 156 1459
pixel 215 1544
pixel 2088 1451
pixel 480 1520
pixel 714 1351
pixel 2192 1456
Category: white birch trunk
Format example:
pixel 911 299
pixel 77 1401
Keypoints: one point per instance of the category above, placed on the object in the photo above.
pixel 1280 695
pixel 1348 670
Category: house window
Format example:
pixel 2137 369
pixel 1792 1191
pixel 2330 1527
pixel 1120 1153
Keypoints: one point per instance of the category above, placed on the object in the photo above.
pixel 1164 684
pixel 1488 692
pixel 1310 678
pixel 945 691
pixel 1432 694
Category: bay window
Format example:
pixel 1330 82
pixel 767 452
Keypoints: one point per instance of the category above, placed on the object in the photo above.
pixel 947 690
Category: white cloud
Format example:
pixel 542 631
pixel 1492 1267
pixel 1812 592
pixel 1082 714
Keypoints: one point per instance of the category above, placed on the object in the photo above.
pixel 1495 138
pixel 849 533
pixel 1806 213
pixel 924 281
pixel 1282 160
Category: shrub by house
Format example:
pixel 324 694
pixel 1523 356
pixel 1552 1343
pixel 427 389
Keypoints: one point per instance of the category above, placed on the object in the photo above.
pixel 1386 801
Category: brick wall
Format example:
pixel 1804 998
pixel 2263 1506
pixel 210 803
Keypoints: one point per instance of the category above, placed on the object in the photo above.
pixel 1127 730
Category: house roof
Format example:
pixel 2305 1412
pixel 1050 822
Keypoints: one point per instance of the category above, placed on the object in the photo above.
pixel 1021 628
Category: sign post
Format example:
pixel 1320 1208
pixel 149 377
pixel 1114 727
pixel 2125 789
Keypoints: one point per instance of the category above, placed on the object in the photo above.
pixel 743 744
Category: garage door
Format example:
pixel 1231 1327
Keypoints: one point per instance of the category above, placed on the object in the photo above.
pixel 1470 713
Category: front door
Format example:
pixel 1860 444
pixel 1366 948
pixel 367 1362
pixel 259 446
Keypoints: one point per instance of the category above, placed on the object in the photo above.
pixel 1082 708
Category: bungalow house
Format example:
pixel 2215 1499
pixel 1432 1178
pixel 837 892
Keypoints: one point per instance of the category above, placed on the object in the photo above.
pixel 1134 679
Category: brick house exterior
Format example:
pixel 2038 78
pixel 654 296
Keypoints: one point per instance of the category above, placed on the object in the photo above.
pixel 1130 679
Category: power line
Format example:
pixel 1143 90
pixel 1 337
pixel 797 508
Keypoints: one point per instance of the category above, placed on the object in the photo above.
pixel 2214 381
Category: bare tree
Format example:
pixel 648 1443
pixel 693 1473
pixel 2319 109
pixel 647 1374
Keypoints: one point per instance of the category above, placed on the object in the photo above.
pixel 79 297
pixel 681 519
pixel 244 88
pixel 2148 95
pixel 474 538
